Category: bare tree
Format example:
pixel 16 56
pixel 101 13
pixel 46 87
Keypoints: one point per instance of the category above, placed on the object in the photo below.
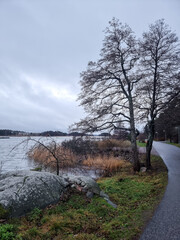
pixel 107 92
pixel 50 154
pixel 160 62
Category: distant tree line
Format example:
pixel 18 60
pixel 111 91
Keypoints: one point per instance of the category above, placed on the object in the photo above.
pixel 166 125
pixel 8 132
pixel 53 133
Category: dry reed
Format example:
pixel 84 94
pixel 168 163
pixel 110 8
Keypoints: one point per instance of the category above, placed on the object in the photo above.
pixel 52 156
pixel 107 165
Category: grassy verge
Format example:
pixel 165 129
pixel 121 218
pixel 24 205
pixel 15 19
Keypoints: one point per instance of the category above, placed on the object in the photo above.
pixel 140 144
pixel 174 144
pixel 80 218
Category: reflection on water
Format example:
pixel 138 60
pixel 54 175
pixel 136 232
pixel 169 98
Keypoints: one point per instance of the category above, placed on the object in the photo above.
pixel 13 152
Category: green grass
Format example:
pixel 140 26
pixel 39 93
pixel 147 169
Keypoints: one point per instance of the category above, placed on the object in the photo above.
pixel 7 232
pixel 93 219
pixel 174 144
pixel 140 144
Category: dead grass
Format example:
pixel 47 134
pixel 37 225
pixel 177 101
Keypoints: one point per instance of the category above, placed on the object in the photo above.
pixel 108 165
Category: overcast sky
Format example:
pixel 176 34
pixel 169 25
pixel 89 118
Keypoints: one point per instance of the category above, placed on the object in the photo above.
pixel 45 44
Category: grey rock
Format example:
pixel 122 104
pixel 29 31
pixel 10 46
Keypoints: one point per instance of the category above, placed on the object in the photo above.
pixel 89 194
pixel 106 197
pixel 22 191
pixel 110 203
pixel 143 169
pixel 87 183
pixel 103 194
pixel 83 184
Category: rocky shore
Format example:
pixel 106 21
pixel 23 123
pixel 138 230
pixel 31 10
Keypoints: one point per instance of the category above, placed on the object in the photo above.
pixel 22 191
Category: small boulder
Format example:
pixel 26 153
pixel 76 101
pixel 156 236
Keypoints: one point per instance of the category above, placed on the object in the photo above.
pixel 106 197
pixel 89 194
pixel 85 183
pixel 143 169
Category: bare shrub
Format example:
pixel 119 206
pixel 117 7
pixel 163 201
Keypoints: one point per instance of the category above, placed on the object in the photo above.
pixel 53 155
pixel 109 144
pixel 81 147
pixel 86 147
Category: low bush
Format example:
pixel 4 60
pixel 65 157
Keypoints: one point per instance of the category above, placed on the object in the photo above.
pixel 109 144
pixel 7 232
pixel 87 147
pixel 80 146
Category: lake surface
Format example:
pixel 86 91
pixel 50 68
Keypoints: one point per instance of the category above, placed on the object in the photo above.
pixel 13 155
pixel 13 152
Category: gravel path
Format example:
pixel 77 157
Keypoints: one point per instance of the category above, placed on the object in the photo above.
pixel 165 224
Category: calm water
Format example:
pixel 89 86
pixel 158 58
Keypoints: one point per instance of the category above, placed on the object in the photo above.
pixel 13 152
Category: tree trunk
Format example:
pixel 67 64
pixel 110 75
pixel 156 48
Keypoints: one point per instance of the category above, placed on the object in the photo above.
pixel 57 167
pixel 136 163
pixel 149 143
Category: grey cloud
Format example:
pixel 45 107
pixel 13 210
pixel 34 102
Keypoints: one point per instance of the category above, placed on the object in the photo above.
pixel 45 44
